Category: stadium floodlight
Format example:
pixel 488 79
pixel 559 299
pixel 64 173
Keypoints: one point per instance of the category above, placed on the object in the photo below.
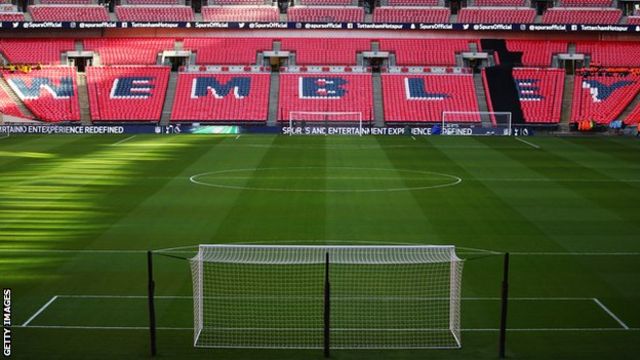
pixel 358 297
pixel 486 123
pixel 321 123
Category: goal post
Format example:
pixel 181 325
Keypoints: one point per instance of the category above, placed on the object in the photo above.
pixel 480 123
pixel 381 297
pixel 320 121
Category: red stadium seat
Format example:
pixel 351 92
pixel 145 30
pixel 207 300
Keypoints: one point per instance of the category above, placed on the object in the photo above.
pixel 425 52
pixel 11 16
pixel 325 92
pixel 510 3
pixel 423 98
pixel 602 98
pixel 413 2
pixel 35 51
pixel 118 51
pixel 540 92
pixel 613 53
pixel 326 13
pixel 323 51
pixel 67 2
pixel 221 97
pixel 153 2
pixel 399 14
pixel 88 13
pixel 237 2
pixel 233 51
pixel 264 13
pixel 582 16
pixel 50 93
pixel 327 2
pixel 9 107
pixel 491 15
pixel 537 52
pixel 154 13
pixel 127 93
pixel 585 3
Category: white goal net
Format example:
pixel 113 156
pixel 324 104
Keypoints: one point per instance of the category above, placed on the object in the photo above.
pixel 476 123
pixel 381 297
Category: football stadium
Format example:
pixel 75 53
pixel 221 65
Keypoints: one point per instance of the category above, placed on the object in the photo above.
pixel 320 179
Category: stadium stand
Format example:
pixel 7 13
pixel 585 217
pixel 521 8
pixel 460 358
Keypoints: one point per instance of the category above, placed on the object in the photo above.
pixel 323 51
pixel 540 93
pixel 614 53
pixel 492 15
pixel 67 2
pixel 50 93
pixel 633 20
pixel 398 14
pixel 537 53
pixel 35 51
pixel 88 13
pixel 423 98
pixel 236 2
pixel 582 16
pixel 118 51
pixel 425 52
pixel 509 3
pixel 221 97
pixel 325 92
pixel 154 13
pixel 235 51
pixel 127 93
pixel 326 13
pixel 413 3
pixel 9 107
pixel 602 98
pixel 153 2
pixel 585 3
pixel 634 116
pixel 327 2
pixel 265 13
pixel 11 16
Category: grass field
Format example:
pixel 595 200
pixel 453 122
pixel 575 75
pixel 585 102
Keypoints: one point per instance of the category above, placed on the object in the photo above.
pixel 77 214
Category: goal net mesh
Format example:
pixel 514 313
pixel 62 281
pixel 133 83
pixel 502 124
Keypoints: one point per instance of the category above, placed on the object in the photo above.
pixel 272 296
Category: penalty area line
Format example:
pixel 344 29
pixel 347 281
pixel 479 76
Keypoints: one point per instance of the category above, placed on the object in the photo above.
pixel 123 140
pixel 528 143
pixel 75 327
pixel 40 311
pixel 610 313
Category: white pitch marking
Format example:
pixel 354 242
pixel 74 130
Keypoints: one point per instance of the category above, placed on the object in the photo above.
pixel 527 142
pixel 606 309
pixel 40 310
pixel 73 327
pixel 123 140
pixel 121 251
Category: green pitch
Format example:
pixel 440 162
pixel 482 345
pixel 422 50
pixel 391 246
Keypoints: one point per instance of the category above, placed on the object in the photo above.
pixel 77 214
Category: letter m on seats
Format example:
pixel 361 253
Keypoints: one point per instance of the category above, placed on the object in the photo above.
pixel 203 86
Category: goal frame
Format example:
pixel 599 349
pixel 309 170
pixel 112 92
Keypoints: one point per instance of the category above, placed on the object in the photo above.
pixel 326 123
pixel 454 284
pixel 499 128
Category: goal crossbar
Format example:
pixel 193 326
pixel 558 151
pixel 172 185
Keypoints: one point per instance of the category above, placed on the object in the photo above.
pixel 381 297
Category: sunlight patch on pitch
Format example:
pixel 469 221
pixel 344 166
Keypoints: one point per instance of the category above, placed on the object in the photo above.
pixel 325 179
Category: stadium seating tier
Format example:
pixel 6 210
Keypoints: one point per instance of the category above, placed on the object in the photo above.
pixel 127 93
pixel 221 97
